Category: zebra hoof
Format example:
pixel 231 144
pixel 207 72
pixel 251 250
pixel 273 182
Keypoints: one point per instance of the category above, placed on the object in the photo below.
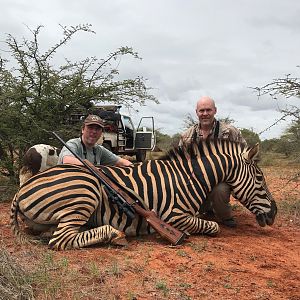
pixel 213 229
pixel 119 240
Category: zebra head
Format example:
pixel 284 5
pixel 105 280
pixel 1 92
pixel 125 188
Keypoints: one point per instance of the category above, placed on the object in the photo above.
pixel 250 188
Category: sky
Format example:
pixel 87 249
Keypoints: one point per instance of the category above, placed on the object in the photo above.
pixel 189 49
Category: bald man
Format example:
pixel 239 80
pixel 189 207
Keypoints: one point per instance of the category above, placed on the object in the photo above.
pixel 209 127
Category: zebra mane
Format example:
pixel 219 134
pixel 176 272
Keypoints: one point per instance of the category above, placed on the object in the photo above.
pixel 190 151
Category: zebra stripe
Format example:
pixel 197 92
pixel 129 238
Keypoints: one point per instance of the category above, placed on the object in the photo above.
pixel 69 198
pixel 63 197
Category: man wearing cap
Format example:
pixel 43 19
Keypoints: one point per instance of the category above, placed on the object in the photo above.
pixel 87 148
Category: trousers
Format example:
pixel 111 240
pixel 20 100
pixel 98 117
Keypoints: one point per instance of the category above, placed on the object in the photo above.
pixel 218 201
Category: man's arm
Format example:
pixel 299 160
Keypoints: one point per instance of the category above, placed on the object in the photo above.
pixel 68 159
pixel 122 162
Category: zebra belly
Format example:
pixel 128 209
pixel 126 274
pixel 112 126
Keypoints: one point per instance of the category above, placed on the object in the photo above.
pixel 38 227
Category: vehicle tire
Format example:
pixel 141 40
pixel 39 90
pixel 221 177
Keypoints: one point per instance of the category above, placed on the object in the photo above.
pixel 107 146
pixel 140 155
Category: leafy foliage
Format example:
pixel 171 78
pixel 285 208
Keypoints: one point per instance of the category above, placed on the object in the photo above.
pixel 251 137
pixel 36 96
pixel 165 141
pixel 288 144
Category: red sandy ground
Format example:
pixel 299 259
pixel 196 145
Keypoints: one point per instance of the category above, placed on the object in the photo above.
pixel 248 262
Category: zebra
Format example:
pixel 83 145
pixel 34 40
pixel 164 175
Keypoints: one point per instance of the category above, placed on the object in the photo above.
pixel 72 201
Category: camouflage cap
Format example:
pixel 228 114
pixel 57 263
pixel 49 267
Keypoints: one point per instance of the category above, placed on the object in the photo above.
pixel 93 119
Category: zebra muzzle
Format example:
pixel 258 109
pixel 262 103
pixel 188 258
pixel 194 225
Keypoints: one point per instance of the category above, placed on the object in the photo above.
pixel 264 219
pixel 261 220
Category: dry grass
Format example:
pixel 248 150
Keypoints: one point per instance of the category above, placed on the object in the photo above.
pixel 290 209
pixel 52 276
pixel 14 281
pixel 285 185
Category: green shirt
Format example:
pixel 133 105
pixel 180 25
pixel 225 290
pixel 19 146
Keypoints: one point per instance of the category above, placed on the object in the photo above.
pixel 98 155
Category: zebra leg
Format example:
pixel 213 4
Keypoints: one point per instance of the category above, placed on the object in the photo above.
pixel 36 227
pixel 193 224
pixel 69 236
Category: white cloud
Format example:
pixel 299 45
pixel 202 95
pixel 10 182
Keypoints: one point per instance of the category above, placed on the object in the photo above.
pixel 189 49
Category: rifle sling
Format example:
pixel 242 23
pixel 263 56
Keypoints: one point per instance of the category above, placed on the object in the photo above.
pixel 138 199
pixel 118 188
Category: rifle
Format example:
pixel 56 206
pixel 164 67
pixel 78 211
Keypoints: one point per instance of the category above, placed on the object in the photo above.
pixel 127 204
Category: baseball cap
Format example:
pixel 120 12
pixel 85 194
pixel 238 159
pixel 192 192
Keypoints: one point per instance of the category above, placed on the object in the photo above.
pixel 93 119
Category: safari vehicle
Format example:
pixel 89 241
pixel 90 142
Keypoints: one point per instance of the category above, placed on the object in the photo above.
pixel 121 136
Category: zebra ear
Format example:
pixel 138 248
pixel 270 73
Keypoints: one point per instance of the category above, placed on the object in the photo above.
pixel 252 153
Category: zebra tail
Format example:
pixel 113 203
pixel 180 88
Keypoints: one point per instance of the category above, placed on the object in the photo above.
pixel 14 223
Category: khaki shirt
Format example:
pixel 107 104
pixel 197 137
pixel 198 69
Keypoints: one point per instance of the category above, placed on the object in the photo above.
pixel 226 131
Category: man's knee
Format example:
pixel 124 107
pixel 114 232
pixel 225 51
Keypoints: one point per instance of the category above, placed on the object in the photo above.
pixel 219 198
pixel 220 192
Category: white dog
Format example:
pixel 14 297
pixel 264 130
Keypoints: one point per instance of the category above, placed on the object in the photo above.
pixel 38 158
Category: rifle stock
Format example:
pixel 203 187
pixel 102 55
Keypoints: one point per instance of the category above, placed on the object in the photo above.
pixel 174 236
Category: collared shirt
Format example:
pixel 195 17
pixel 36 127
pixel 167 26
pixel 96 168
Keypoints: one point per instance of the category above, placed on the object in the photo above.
pixel 98 155
pixel 223 131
